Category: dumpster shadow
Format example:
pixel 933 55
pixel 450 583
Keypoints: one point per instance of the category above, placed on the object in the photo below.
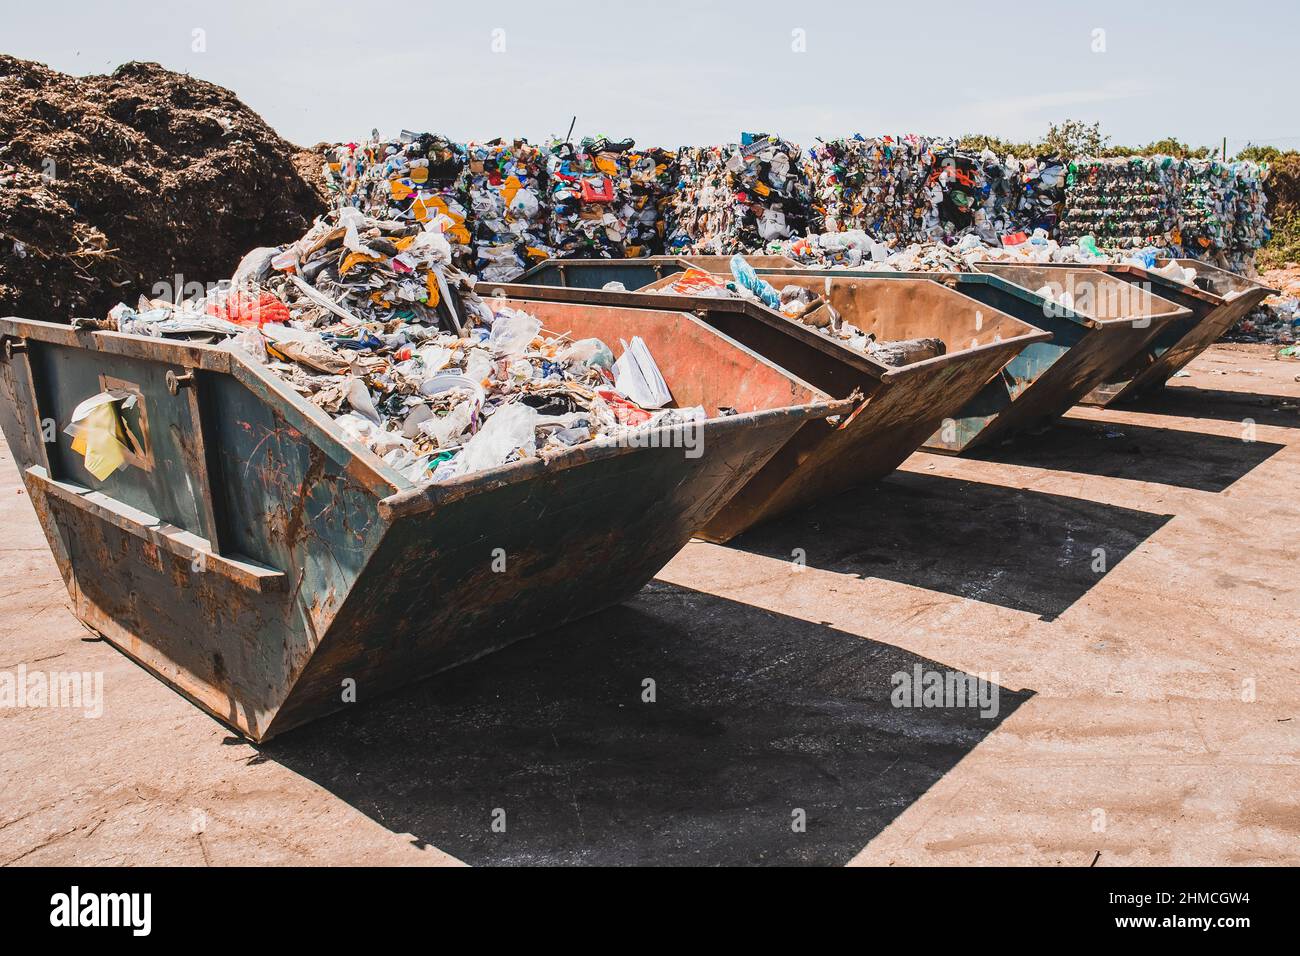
pixel 756 716
pixel 1165 456
pixel 1191 401
pixel 1025 550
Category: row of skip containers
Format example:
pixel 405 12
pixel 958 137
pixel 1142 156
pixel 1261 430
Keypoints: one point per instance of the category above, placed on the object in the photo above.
pixel 898 407
pixel 1216 299
pixel 1021 350
pixel 254 559
pixel 1095 325
pixel 257 561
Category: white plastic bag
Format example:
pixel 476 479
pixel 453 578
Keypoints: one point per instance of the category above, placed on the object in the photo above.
pixel 509 429
pixel 637 376
pixel 512 332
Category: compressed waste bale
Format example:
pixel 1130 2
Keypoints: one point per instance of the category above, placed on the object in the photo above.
pixel 738 198
pixel 1197 208
pixel 507 189
pixel 588 202
pixel 412 178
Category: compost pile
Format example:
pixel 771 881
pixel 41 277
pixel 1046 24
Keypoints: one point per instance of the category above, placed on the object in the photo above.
pixel 122 181
pixel 369 320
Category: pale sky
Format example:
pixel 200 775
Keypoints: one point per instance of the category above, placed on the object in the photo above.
pixel 669 72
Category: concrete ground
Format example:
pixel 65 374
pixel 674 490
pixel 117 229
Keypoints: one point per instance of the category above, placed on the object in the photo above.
pixel 1147 712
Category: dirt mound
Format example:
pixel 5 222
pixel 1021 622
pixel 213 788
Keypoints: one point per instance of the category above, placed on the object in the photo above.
pixel 310 162
pixel 109 184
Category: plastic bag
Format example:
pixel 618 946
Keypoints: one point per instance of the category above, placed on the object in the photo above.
pixel 512 332
pixel 637 376
pixel 510 429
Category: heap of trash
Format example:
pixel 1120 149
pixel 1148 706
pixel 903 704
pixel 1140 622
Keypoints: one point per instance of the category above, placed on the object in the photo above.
pixel 858 250
pixel 411 179
pixel 1197 207
pixel 370 321
pixel 861 184
pixel 1277 319
pixel 735 198
pixel 585 206
pixel 506 185
pixel 601 198
pixel 915 188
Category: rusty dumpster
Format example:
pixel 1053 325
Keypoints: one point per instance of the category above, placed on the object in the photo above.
pixel 632 273
pixel 1098 323
pixel 1043 381
pixel 1216 300
pixel 260 563
pixel 899 407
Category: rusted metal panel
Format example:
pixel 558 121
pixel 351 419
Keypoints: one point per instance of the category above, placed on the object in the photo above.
pixel 632 273
pixel 898 407
pixel 1109 322
pixel 1044 380
pixel 1216 301
pixel 257 569
pixel 722 264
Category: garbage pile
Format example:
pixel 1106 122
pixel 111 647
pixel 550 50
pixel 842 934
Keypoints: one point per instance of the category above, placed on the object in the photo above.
pixel 915 188
pixel 509 216
pixel 604 199
pixel 649 176
pixel 859 251
pixel 1224 211
pixel 1196 208
pixel 608 199
pixel 411 179
pixel 130 179
pixel 867 185
pixel 701 211
pixel 1124 203
pixel 369 320
pixel 805 306
pixel 736 198
pixel 589 212
pixel 1277 319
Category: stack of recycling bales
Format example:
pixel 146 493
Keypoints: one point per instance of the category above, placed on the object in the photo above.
pixel 916 188
pixel 1223 209
pixel 867 184
pixel 1193 207
pixel 608 199
pixel 738 198
pixel 647 182
pixel 510 204
pixel 412 179
pixel 700 208
pixel 587 211
pixel 1122 203
pixel 506 183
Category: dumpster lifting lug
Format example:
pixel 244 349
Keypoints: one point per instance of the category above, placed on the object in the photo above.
pixel 176 382
pixel 13 346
